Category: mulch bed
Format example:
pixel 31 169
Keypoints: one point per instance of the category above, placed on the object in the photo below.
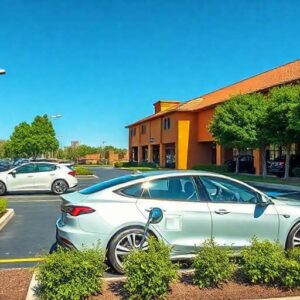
pixel 14 283
pixel 184 289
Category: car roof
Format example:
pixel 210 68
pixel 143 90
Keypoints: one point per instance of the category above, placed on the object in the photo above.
pixel 175 172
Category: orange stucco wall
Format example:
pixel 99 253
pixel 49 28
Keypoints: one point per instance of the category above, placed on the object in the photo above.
pixel 204 118
pixel 144 138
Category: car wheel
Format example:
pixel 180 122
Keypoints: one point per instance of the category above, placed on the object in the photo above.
pixel 2 188
pixel 59 187
pixel 121 245
pixel 294 237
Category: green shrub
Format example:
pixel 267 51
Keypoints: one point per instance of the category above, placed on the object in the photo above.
pixel 294 254
pixel 70 274
pixel 83 171
pixel 261 262
pixel 212 266
pixel 296 171
pixel 211 168
pixel 132 164
pixel 3 206
pixel 149 273
pixel 290 273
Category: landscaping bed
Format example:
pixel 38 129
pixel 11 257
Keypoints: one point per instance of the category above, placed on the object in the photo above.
pixel 184 289
pixel 81 171
pixel 14 283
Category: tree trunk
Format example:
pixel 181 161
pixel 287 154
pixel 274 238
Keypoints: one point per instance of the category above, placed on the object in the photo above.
pixel 287 161
pixel 263 161
pixel 237 163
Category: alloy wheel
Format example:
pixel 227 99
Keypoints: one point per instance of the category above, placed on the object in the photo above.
pixel 296 238
pixel 60 186
pixel 128 243
pixel 2 188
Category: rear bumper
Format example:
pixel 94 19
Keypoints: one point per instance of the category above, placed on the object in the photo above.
pixel 75 238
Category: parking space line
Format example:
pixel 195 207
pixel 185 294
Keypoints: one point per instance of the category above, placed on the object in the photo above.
pixel 31 201
pixel 21 260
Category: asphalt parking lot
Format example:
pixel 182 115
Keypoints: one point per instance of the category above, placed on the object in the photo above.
pixel 32 231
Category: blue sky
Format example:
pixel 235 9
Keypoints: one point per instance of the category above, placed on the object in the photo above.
pixel 103 63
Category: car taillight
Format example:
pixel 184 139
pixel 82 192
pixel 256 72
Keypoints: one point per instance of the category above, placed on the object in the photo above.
pixel 281 163
pixel 75 211
pixel 72 173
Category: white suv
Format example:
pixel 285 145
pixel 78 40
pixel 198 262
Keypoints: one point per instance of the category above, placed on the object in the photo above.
pixel 38 176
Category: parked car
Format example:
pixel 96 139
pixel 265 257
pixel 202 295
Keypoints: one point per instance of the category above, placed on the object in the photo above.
pixel 38 177
pixel 20 161
pixel 246 164
pixel 277 167
pixel 197 206
pixel 5 165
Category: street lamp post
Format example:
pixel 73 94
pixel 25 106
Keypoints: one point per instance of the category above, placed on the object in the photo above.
pixel 55 117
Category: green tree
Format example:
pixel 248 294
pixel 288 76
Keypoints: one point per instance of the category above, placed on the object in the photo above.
pixel 235 122
pixel 2 148
pixel 32 140
pixel 43 136
pixel 20 141
pixel 282 121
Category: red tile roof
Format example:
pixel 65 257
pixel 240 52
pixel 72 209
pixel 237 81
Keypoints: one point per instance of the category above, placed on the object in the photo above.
pixel 284 74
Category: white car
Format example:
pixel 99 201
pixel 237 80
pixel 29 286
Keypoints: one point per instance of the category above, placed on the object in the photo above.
pixel 35 176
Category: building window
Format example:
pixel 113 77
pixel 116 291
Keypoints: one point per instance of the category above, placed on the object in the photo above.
pixel 167 123
pixel 133 131
pixel 143 129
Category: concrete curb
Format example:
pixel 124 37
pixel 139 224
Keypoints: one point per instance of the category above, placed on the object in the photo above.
pixel 10 213
pixel 283 187
pixel 30 293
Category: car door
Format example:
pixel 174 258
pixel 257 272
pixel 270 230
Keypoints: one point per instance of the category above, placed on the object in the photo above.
pixel 45 174
pixel 236 214
pixel 22 178
pixel 187 219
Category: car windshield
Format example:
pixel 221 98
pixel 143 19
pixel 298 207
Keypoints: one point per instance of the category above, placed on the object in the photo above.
pixel 110 183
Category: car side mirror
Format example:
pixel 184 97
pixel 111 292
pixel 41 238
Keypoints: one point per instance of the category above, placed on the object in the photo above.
pixel 13 173
pixel 155 216
pixel 264 201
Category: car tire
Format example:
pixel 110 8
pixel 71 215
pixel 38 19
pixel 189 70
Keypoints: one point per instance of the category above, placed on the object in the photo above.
pixel 2 188
pixel 293 239
pixel 127 239
pixel 59 187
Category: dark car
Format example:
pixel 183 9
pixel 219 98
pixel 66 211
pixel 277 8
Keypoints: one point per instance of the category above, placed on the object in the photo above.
pixel 277 166
pixel 5 165
pixel 246 164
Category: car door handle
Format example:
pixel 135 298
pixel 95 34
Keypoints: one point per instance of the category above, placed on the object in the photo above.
pixel 30 176
pixel 222 212
pixel 52 174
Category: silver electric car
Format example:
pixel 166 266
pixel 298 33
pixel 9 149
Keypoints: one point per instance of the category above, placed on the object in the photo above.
pixel 196 205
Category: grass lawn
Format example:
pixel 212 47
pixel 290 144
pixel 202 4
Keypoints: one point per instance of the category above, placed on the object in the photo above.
pixel 249 177
pixel 95 166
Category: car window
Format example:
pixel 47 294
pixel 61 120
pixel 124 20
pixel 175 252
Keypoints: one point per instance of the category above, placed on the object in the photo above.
pixel 46 167
pixel 30 168
pixel 225 190
pixel 172 188
pixel 132 191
